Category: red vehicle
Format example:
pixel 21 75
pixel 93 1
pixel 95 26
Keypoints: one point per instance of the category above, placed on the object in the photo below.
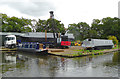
pixel 65 43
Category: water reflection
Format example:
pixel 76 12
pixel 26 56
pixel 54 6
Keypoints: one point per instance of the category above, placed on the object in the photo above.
pixel 21 64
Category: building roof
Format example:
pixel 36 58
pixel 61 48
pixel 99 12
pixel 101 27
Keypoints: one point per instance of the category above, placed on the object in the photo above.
pixel 35 34
pixel 12 33
pixel 38 35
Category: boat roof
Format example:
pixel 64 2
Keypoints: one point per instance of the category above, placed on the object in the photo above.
pixel 99 40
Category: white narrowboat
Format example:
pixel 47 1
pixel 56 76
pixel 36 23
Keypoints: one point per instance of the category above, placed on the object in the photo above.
pixel 97 44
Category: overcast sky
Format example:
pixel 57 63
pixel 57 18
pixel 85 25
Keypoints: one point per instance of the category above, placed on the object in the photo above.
pixel 68 11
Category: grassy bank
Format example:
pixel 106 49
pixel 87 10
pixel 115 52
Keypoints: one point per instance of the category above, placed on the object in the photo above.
pixel 78 52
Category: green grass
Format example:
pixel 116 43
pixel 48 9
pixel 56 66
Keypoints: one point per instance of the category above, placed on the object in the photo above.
pixel 86 52
pixel 100 52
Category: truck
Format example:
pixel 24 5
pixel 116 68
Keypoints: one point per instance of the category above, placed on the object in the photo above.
pixel 97 44
pixel 10 41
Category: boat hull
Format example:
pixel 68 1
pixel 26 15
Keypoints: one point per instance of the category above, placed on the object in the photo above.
pixel 32 50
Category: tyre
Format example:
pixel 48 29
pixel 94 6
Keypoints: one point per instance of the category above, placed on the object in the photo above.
pixel 9 46
pixel 13 46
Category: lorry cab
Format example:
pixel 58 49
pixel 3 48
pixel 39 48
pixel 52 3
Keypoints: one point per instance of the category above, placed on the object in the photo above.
pixel 10 41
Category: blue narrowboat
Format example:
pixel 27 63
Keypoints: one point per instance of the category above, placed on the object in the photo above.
pixel 32 47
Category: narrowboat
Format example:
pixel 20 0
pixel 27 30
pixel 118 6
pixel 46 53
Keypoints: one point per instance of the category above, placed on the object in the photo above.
pixel 32 47
pixel 97 44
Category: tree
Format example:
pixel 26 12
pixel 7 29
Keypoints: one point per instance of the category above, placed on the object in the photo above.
pixel 41 25
pixel 14 24
pixel 72 28
pixel 114 39
pixel 93 34
pixel 83 28
pixel 106 27
pixel 96 27
pixel 50 25
pixel 80 30
pixel 110 27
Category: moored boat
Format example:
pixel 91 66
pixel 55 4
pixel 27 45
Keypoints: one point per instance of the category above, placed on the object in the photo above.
pixel 32 47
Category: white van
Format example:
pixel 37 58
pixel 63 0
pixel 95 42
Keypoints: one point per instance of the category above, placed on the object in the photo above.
pixel 10 41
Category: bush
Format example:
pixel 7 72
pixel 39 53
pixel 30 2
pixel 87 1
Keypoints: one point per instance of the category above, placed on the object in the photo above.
pixel 114 39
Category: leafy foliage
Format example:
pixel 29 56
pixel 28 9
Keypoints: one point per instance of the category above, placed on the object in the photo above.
pixel 50 25
pixel 80 30
pixel 114 39
pixel 100 29
pixel 14 24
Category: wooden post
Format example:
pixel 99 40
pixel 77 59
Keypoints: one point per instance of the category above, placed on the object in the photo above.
pixel 59 35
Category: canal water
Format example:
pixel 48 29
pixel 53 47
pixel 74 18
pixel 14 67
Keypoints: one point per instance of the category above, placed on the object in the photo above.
pixel 22 64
